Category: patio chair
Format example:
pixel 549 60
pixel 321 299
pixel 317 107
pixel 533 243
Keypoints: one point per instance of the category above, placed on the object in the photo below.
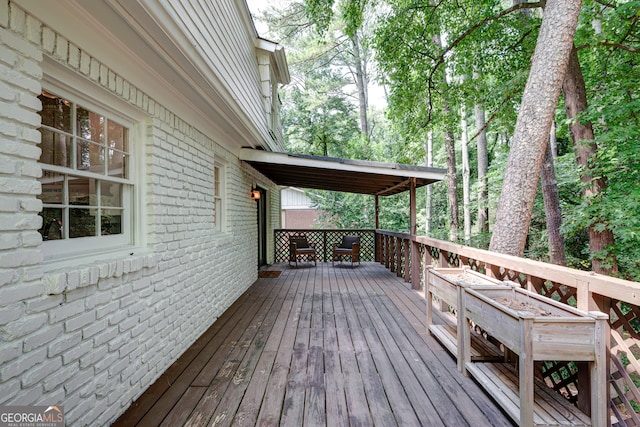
pixel 299 247
pixel 349 247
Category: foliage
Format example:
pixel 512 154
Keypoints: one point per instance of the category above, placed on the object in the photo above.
pixel 433 54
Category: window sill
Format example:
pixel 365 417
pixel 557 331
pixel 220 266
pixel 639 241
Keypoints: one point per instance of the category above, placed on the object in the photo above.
pixel 68 274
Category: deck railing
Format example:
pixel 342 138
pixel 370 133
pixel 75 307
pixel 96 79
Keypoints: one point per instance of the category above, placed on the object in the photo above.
pixel 409 256
pixel 323 241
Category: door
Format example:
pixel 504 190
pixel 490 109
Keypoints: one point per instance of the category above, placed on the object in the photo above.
pixel 262 227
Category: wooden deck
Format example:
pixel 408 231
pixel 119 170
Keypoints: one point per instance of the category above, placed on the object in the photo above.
pixel 330 346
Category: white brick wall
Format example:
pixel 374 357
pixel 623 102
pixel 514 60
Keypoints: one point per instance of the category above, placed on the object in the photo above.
pixel 94 337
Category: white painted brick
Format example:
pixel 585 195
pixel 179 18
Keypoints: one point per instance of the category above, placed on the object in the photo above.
pixel 10 351
pixel 33 30
pixel 94 356
pixel 4 13
pixel 9 240
pixel 9 389
pixel 76 352
pixel 105 362
pixel 79 322
pixel 74 415
pixel 37 374
pixel 20 292
pixel 44 303
pixel 8 276
pixel 56 378
pixel 62 48
pixel 40 338
pixel 63 343
pixel 66 311
pixel 19 366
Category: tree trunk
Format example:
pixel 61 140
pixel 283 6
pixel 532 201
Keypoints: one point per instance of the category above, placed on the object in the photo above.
pixel 466 198
pixel 452 183
pixel 429 149
pixel 483 167
pixel 575 98
pixel 531 133
pixel 361 84
pixel 552 209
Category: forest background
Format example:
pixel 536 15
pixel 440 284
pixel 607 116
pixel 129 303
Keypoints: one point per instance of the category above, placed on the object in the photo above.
pixel 441 84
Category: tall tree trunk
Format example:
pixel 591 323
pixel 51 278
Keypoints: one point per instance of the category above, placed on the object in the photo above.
pixel 531 133
pixel 452 183
pixel 552 208
pixel 429 149
pixel 575 98
pixel 466 198
pixel 361 84
pixel 483 167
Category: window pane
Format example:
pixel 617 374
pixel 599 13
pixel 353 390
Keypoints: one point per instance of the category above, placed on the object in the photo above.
pixel 90 125
pixel 52 228
pixel 216 181
pixel 52 188
pixel 118 163
pixel 82 222
pixel 110 194
pixel 118 138
pixel 56 148
pixel 82 191
pixel 111 221
pixel 90 157
pixel 56 112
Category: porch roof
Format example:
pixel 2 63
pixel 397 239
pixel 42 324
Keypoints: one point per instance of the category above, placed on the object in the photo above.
pixel 335 174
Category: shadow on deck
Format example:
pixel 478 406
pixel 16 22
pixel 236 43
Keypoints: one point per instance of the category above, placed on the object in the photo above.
pixel 318 346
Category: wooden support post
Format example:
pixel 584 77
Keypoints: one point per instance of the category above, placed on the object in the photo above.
pixel 407 259
pixel 398 257
pixel 599 372
pixel 391 254
pixel 525 369
pixel 415 266
pixel 443 262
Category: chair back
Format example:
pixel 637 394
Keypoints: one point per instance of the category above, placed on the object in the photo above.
pixel 348 241
pixel 300 241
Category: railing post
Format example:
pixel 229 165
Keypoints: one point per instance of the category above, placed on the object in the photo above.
pixel 398 256
pixel 415 265
pixel 407 259
pixel 391 250
pixel 443 261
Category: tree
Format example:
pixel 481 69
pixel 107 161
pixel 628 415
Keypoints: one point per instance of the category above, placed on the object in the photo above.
pixel 535 116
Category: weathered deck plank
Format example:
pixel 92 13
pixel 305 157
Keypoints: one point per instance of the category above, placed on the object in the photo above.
pixel 331 346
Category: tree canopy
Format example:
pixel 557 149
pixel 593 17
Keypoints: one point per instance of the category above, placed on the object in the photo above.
pixel 438 60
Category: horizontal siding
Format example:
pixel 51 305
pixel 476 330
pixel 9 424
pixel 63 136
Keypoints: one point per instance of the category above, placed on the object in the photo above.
pixel 218 35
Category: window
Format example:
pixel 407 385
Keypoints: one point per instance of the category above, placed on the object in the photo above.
pixel 86 179
pixel 218 188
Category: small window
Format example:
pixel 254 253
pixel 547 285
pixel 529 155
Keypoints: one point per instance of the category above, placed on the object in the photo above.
pixel 86 186
pixel 218 197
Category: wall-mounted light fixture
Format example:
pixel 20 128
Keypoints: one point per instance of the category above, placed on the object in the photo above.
pixel 255 194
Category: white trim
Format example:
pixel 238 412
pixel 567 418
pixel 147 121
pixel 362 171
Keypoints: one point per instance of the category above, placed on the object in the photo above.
pixel 64 83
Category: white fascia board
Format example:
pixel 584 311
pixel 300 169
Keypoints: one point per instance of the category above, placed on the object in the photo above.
pixel 278 58
pixel 389 169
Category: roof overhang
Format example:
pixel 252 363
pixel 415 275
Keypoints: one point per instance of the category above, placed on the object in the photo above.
pixel 343 175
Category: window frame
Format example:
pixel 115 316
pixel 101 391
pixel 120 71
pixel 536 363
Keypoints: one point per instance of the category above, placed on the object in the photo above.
pixel 86 95
pixel 219 205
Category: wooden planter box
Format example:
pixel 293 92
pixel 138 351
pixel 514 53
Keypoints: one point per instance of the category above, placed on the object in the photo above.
pixel 446 284
pixel 535 328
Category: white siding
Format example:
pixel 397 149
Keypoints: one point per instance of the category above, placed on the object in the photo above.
pixel 218 34
pixel 92 337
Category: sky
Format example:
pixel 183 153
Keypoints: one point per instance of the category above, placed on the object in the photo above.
pixel 376 93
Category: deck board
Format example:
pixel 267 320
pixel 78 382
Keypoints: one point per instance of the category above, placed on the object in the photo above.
pixel 321 345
